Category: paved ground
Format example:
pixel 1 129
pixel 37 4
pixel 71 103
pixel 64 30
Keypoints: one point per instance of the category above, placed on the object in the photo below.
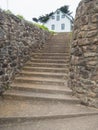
pixel 77 123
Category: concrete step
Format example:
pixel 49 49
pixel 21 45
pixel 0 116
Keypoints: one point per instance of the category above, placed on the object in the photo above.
pixel 45 69
pixel 41 88
pixel 40 80
pixel 47 64
pixel 54 51
pixel 55 42
pixel 38 88
pixel 50 57
pixel 50 54
pixel 55 47
pixel 86 121
pixel 19 110
pixel 30 95
pixel 50 50
pixel 43 74
pixel 49 61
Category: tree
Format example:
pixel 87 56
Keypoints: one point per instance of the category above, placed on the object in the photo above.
pixel 43 19
pixel 65 9
pixel 35 19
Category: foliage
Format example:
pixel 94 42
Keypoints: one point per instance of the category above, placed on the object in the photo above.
pixel 65 9
pixel 42 27
pixel 43 19
pixel 8 11
pixel 20 16
pixel 35 19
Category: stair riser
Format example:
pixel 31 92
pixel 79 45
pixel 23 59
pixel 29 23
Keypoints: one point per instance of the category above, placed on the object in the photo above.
pixel 39 82
pixel 18 97
pixel 13 120
pixel 57 46
pixel 51 54
pixel 43 75
pixel 49 61
pixel 53 51
pixel 37 90
pixel 51 57
pixel 46 70
pixel 46 65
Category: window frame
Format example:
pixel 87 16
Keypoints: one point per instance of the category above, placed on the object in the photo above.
pixel 63 16
pixel 63 26
pixel 53 27
pixel 53 17
pixel 58 18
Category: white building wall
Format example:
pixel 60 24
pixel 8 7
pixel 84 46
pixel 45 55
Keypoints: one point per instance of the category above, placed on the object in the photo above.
pixel 57 24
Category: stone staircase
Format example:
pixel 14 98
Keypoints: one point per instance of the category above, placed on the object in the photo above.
pixel 39 98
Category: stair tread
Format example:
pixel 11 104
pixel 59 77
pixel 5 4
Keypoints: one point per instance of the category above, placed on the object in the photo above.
pixel 44 73
pixel 61 64
pixel 52 68
pixel 49 59
pixel 45 95
pixel 86 122
pixel 44 87
pixel 35 108
pixel 49 53
pixel 40 79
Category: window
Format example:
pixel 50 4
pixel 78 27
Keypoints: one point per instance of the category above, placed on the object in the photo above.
pixel 58 18
pixel 52 27
pixel 62 26
pixel 53 17
pixel 58 12
pixel 63 15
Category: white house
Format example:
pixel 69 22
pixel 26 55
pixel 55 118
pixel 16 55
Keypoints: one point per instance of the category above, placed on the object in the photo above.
pixel 59 22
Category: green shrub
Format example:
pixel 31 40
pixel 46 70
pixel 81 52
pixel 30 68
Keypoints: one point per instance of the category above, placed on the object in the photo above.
pixel 42 27
pixel 8 12
pixel 20 16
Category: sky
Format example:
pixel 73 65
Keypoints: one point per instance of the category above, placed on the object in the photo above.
pixel 35 8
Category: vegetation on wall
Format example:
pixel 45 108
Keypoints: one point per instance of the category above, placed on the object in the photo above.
pixel 8 12
pixel 20 16
pixel 29 22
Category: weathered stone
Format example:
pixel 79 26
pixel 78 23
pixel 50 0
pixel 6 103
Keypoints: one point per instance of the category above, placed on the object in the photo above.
pixel 91 94
pixel 90 54
pixel 86 1
pixel 1 72
pixel 76 51
pixel 1 33
pixel 92 26
pixel 18 39
pixel 92 33
pixel 84 53
pixel 81 34
pixel 94 18
pixel 84 20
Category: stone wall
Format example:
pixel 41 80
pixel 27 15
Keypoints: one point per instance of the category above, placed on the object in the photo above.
pixel 84 53
pixel 18 38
